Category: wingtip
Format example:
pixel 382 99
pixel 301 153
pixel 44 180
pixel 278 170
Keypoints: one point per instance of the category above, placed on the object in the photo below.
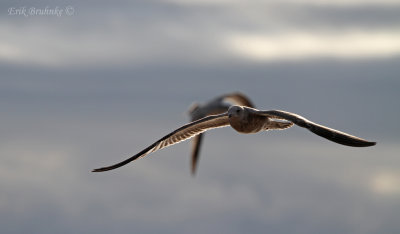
pixel 193 172
pixel 99 170
pixel 193 169
pixel 364 144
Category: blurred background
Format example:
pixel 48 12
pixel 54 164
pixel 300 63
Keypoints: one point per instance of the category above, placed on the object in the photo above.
pixel 86 84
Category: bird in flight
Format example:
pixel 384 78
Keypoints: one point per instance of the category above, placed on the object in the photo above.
pixel 245 120
pixel 215 106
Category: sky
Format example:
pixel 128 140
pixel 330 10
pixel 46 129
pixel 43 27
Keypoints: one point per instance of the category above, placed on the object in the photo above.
pixel 86 84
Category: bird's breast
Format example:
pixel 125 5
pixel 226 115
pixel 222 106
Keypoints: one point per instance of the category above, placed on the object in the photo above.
pixel 251 124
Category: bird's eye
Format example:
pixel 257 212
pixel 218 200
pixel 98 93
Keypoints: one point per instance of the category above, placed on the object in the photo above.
pixel 237 111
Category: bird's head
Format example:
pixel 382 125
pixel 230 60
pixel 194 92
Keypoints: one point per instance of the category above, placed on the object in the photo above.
pixel 236 112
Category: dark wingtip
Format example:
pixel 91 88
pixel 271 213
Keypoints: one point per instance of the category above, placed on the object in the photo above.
pixel 361 143
pixel 340 137
pixel 193 168
pixel 357 143
pixel 104 169
pixel 98 170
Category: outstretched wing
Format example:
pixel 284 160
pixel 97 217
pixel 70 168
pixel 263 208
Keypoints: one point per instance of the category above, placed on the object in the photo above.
pixel 328 133
pixel 238 98
pixel 183 133
pixel 196 151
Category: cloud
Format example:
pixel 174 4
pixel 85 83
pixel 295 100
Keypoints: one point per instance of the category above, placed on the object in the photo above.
pixel 162 33
pixel 124 47
pixel 343 3
pixel 48 45
pixel 386 183
pixel 62 128
pixel 347 45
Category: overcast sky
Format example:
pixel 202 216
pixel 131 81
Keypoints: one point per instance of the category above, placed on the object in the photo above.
pixel 101 81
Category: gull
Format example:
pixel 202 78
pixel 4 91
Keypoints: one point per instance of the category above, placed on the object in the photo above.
pixel 215 106
pixel 245 120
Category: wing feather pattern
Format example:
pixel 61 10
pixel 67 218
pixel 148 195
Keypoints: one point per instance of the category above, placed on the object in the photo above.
pixel 328 133
pixel 183 133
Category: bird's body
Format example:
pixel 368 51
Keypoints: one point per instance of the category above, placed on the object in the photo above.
pixel 246 120
pixel 252 124
pixel 215 106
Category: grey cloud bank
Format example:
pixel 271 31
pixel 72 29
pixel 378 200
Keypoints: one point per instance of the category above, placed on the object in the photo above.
pixel 152 32
pixel 59 128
